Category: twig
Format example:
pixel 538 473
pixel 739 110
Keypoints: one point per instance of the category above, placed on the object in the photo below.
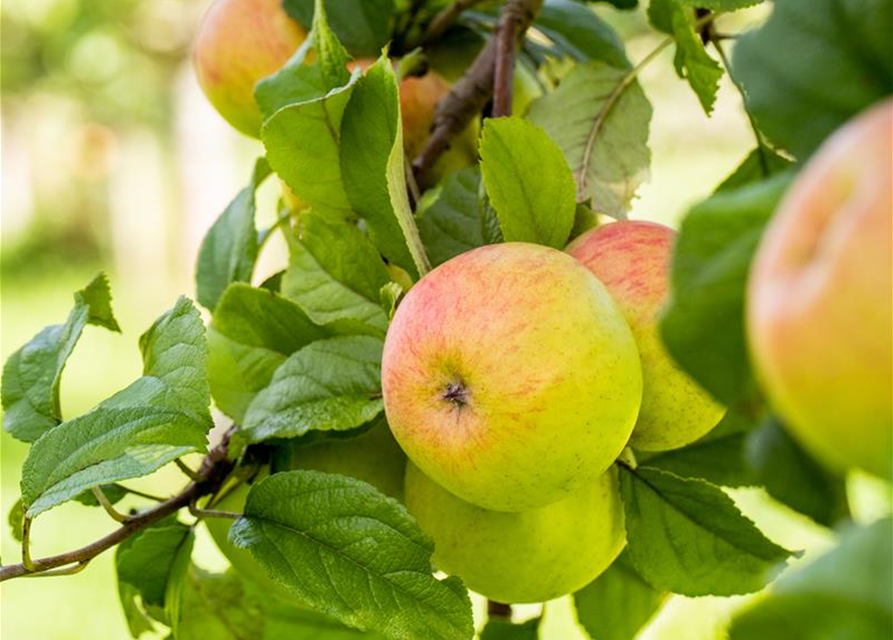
pixel 214 469
pixel 211 513
pixel 187 471
pixel 143 494
pixel 499 610
pixel 445 19
pixel 471 92
pixel 103 501
pixel 506 43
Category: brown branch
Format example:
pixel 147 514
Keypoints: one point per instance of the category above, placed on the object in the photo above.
pixel 499 610
pixel 445 19
pixel 472 91
pixel 510 23
pixel 214 469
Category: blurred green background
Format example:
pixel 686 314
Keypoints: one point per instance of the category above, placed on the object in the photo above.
pixel 112 160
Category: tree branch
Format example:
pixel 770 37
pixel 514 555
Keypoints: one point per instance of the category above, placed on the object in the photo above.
pixel 472 91
pixel 499 610
pixel 510 24
pixel 214 469
pixel 445 19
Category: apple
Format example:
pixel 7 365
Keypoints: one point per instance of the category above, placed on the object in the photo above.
pixel 238 43
pixel 819 299
pixel 510 376
pixel 523 557
pixel 374 457
pixel 633 260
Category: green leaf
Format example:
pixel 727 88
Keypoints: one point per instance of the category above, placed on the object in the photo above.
pixel 329 385
pixel 792 477
pixel 505 630
pixel 711 261
pixel 336 276
pixel 216 607
pixel 814 65
pixel 139 621
pixel 759 164
pixel 229 250
pixel 302 81
pixel 374 167
pixel 176 582
pixel 449 216
pixel 302 144
pixel 365 25
pixel 688 537
pixel 114 493
pixel 528 181
pixel 251 333
pixel 146 561
pixel 600 120
pixel 580 33
pixel 617 604
pixel 845 594
pixel 720 5
pixel 352 553
pixel 718 457
pixel 31 375
pixel 159 417
pixel 16 519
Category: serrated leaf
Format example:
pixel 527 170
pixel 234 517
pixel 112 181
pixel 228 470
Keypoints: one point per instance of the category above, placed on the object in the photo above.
pixel 792 477
pixel 449 216
pixel 32 375
pixel 580 33
pixel 528 182
pixel 845 593
pixel 600 120
pixel 348 551
pixel 230 247
pixel 759 164
pixel 374 167
pixel 687 536
pixel 813 65
pixel 251 333
pixel 146 561
pixel 364 25
pixel 711 261
pixel 504 630
pixel 159 417
pixel 719 457
pixel 329 385
pixel 336 276
pixel 302 144
pixel 617 604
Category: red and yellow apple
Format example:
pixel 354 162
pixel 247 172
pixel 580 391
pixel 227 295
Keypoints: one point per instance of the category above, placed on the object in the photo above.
pixel 820 294
pixel 510 376
pixel 240 42
pixel 528 556
pixel 632 259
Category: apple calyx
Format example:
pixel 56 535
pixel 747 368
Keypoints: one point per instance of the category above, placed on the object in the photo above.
pixel 457 394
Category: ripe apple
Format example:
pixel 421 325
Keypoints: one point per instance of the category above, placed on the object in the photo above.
pixel 510 376
pixel 820 295
pixel 238 43
pixel 633 259
pixel 523 557
pixel 374 457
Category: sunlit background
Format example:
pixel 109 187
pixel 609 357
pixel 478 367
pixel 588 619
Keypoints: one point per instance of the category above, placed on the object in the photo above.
pixel 112 161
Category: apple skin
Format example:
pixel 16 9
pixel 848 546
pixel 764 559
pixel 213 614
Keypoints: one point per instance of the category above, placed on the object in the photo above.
pixel 238 43
pixel 524 557
pixel 632 259
pixel 510 376
pixel 374 457
pixel 819 300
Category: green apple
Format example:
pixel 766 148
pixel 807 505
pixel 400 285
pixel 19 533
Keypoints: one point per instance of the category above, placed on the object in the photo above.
pixel 819 299
pixel 633 259
pixel 510 376
pixel 374 457
pixel 238 43
pixel 527 556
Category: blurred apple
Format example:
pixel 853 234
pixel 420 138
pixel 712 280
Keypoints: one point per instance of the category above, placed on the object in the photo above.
pixel 632 259
pixel 510 376
pixel 238 43
pixel 819 315
pixel 523 557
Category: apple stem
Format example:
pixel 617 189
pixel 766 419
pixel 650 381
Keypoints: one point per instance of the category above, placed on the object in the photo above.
pixel 499 610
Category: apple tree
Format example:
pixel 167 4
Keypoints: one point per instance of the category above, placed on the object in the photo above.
pixel 475 374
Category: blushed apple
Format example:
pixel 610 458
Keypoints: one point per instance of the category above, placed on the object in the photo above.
pixel 633 259
pixel 523 557
pixel 820 293
pixel 510 376
pixel 238 43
